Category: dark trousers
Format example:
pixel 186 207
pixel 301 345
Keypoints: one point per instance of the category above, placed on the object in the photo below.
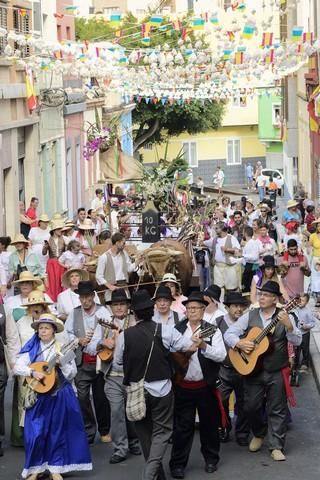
pixel 86 378
pixel 186 403
pixel 267 387
pixel 247 276
pixel 233 381
pixel 3 384
pixel 154 433
pixel 304 348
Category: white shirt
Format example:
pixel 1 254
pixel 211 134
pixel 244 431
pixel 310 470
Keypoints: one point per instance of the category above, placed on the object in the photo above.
pixel 251 251
pixel 220 242
pixel 97 205
pixel 211 317
pixel 169 320
pixel 260 181
pixel 216 352
pixel 72 260
pixel 90 322
pixel 117 265
pixel 37 236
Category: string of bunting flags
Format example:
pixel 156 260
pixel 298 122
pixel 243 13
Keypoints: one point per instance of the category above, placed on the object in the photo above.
pixel 218 53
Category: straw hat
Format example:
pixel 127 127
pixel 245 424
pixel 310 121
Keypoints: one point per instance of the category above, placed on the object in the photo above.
pixel 86 225
pixel 249 200
pixel 84 276
pixel 19 238
pixel 292 203
pixel 170 277
pixel 36 298
pixel 56 225
pixel 67 225
pixel 44 218
pixel 28 277
pixel 48 318
pixel 57 216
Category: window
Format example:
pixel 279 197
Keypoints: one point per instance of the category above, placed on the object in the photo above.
pixel 110 10
pixel 3 24
pixel 233 152
pixel 21 24
pixel 91 10
pixel 227 4
pixel 68 33
pixel 239 99
pixel 190 153
pixel 276 115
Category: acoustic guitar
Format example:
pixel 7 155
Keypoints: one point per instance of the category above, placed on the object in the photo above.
pixel 106 354
pixel 48 368
pixel 181 359
pixel 246 363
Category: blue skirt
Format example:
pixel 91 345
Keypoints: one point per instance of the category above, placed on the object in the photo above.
pixel 54 434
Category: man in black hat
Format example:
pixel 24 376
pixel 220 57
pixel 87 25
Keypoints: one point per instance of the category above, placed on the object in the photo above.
pixel 81 323
pixel 214 309
pixel 231 380
pixel 162 312
pixel 269 381
pixel 123 435
pixel 197 392
pixel 132 350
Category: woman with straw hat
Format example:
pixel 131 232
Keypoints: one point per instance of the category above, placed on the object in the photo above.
pixel 25 284
pixel 86 236
pixel 21 259
pixel 170 280
pixel 36 305
pixel 68 231
pixel 39 235
pixel 54 434
pixel 55 246
pixel 68 299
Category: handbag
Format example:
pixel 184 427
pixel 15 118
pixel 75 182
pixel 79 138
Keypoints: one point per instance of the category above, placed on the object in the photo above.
pixel 136 403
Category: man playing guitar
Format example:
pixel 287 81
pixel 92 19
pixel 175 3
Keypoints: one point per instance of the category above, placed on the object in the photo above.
pixel 270 379
pixel 197 391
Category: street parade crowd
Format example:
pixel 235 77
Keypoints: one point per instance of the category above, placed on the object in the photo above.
pixel 105 335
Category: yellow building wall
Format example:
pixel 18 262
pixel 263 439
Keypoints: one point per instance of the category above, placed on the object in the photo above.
pixel 211 145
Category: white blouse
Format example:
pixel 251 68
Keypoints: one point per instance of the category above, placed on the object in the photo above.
pixel 68 300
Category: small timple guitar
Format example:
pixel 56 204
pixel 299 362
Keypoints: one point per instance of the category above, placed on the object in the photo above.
pixel 48 368
pixel 181 359
pixel 106 354
pixel 246 363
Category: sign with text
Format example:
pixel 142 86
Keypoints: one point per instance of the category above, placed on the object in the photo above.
pixel 150 223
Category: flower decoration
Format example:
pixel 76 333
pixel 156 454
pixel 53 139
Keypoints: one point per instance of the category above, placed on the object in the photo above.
pixel 99 138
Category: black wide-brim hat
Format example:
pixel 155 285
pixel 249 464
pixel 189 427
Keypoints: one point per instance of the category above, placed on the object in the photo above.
pixel 117 296
pixel 163 292
pixel 141 300
pixel 235 298
pixel 271 287
pixel 85 288
pixel 196 297
pixel 213 291
pixel 268 261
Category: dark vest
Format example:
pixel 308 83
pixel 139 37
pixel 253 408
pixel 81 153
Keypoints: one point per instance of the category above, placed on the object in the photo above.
pixel 223 327
pixel 137 345
pixel 2 332
pixel 277 356
pixel 79 331
pixel 210 369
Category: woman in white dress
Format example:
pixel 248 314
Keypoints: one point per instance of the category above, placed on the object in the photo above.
pixel 37 236
pixel 4 261
pixel 68 300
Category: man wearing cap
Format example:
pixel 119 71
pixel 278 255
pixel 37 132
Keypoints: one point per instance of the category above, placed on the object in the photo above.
pixel 123 435
pixel 133 349
pixel 162 312
pixel 197 392
pixel 214 309
pixel 231 380
pixel 114 266
pixel 296 268
pixel 270 381
pixel 82 323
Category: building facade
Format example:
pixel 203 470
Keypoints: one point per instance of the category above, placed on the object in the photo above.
pixel 270 108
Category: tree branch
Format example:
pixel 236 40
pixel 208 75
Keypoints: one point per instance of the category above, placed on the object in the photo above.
pixel 139 141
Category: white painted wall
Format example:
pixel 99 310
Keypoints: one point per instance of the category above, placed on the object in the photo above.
pixel 83 7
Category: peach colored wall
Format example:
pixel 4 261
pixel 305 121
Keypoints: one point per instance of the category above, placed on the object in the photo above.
pixel 65 25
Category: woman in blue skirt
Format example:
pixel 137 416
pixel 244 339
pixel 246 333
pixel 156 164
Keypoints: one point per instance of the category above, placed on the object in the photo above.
pixel 54 434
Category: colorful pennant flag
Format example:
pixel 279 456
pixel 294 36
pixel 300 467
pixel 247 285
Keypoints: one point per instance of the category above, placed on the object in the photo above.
pixel 231 36
pixel 58 54
pixel 297 34
pixel 308 38
pixel 23 12
pixel 31 94
pixel 248 32
pixel 198 23
pixel 269 58
pixel 267 39
pixel 176 25
pixel 155 20
pixel 70 8
pixel 115 18
pixel 227 54
pixel 146 40
pixel 238 58
pixel 214 20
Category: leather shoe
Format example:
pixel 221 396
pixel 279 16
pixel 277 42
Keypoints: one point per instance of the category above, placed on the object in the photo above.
pixel 116 459
pixel 224 435
pixel 277 455
pixel 177 472
pixel 255 444
pixel 243 442
pixel 210 467
pixel 135 450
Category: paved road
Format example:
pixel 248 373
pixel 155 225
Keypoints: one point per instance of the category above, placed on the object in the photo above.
pixel 303 452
